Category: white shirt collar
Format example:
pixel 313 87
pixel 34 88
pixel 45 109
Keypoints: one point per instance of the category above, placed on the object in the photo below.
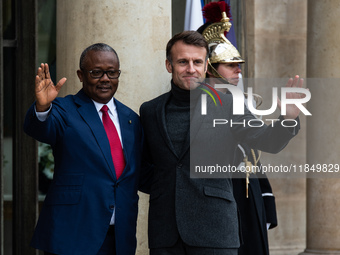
pixel 111 105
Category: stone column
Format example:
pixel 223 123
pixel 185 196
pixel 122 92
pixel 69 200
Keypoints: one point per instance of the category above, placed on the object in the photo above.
pixel 138 31
pixel 277 53
pixel 323 201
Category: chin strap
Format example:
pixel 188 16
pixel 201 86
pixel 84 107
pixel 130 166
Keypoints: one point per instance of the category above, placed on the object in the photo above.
pixel 216 73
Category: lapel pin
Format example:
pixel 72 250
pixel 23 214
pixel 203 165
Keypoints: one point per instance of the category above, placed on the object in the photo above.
pixel 130 121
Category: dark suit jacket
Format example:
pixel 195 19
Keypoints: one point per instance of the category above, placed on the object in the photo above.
pixel 202 211
pixel 78 207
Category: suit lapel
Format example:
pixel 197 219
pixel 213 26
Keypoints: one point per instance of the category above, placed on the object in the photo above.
pixel 196 120
pixel 127 132
pixel 160 115
pixel 88 112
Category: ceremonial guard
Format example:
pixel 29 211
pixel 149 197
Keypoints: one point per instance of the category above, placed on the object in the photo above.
pixel 252 190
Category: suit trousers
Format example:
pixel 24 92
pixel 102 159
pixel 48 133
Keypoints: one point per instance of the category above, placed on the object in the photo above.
pixel 180 248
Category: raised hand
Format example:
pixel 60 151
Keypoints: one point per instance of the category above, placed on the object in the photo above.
pixel 45 91
pixel 292 110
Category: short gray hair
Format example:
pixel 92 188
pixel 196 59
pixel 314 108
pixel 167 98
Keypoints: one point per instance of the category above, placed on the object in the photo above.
pixel 95 47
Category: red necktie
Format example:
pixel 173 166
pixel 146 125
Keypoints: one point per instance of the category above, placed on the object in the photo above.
pixel 115 144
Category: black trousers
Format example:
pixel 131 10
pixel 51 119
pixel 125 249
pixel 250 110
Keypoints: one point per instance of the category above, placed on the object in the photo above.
pixel 109 244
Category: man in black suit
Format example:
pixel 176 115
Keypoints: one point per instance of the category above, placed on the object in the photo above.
pixel 197 215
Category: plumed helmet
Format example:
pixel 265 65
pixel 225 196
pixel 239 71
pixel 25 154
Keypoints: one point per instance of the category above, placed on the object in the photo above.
pixel 221 49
